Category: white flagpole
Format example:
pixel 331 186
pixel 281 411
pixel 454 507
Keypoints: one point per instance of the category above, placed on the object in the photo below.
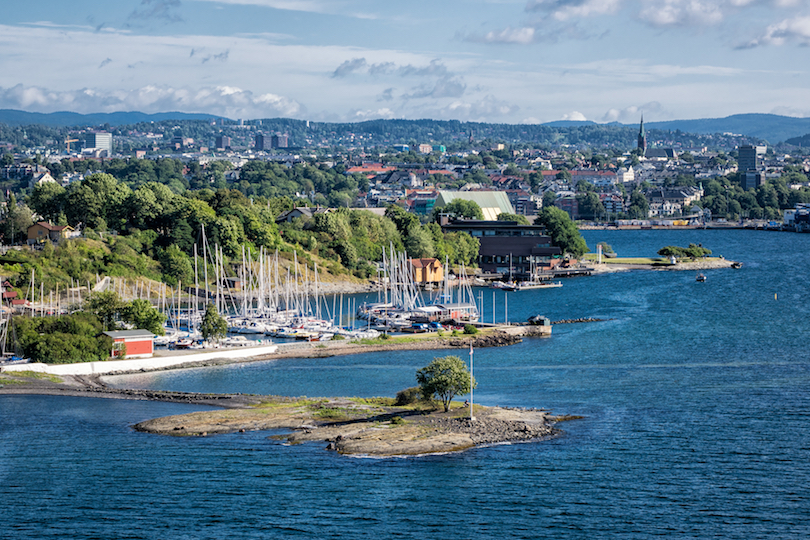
pixel 471 383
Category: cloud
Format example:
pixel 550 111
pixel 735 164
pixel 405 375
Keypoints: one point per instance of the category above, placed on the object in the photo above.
pixel 796 30
pixel 387 95
pixel 228 101
pixel 522 36
pixel 104 62
pixel 308 6
pixel 575 116
pixel 686 13
pixel 433 69
pixel 368 114
pixel 156 10
pixel 563 10
pixel 445 87
pixel 632 114
pixel 349 66
pixel 487 109
pixel 222 57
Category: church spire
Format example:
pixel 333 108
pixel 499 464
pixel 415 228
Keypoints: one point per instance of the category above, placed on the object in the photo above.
pixel 642 137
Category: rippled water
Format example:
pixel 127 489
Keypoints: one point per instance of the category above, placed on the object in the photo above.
pixel 695 397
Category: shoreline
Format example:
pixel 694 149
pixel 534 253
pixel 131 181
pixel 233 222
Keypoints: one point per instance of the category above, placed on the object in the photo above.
pixel 496 336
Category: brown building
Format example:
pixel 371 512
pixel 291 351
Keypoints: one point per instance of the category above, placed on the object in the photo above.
pixel 42 230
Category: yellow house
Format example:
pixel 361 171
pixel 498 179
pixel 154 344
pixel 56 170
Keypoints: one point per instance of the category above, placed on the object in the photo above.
pixel 426 270
pixel 42 230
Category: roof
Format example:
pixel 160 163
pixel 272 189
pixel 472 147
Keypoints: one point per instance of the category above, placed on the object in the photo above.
pixel 492 203
pixel 423 263
pixel 55 228
pixel 123 334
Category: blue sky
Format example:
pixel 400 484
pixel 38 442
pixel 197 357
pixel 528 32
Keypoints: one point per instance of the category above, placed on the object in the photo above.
pixel 511 61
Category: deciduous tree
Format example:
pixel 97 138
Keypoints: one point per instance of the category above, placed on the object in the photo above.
pixel 445 378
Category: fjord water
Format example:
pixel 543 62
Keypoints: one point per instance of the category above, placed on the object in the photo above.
pixel 695 397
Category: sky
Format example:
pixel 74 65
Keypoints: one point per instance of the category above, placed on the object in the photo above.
pixel 502 61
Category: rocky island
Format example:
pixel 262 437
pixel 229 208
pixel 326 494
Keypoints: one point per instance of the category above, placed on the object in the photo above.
pixel 366 426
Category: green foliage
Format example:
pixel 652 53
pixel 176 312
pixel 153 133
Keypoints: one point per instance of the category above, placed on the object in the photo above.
pixel 106 306
pixel 470 329
pixel 693 252
pixel 460 209
pixel 564 233
pixel 176 266
pixel 213 324
pixel 142 315
pixel 397 420
pixel 408 396
pixel 61 340
pixel 521 219
pixel 444 378
pixel 590 206
pixel 639 206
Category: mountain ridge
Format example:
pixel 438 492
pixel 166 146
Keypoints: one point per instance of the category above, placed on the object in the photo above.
pixel 770 127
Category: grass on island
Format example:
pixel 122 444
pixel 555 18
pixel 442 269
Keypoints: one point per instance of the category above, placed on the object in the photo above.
pixel 32 375
pixel 627 260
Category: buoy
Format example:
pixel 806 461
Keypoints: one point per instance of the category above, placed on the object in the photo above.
pixel 774 296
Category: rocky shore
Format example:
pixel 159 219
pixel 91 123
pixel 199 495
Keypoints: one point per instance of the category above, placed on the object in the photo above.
pixel 706 264
pixel 370 427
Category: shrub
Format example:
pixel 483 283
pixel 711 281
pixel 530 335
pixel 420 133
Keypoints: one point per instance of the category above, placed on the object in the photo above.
pixel 408 396
pixel 338 337
pixel 470 329
pixel 385 336
pixel 397 420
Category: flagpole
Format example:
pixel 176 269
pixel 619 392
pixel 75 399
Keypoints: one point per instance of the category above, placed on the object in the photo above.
pixel 471 383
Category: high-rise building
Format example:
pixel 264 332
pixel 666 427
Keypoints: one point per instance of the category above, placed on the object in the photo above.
pixel 279 141
pixel 748 159
pixel 261 142
pixel 222 141
pixel 748 164
pixel 99 139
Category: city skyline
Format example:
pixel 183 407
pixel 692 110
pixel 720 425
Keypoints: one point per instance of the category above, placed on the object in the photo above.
pixel 510 61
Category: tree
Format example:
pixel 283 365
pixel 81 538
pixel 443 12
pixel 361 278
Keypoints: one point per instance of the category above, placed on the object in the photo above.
pixel 460 208
pixel 590 206
pixel 564 233
pixel 141 314
pixel 521 220
pixel 105 305
pixel 445 378
pixel 639 207
pixel 213 324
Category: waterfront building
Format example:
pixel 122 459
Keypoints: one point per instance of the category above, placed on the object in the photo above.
pixel 508 248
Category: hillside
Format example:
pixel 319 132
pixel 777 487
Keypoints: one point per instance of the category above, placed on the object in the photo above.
pixel 770 127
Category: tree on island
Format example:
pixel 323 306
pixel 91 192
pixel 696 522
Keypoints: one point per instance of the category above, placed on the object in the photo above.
pixel 693 252
pixel 564 233
pixel 445 378
pixel 213 324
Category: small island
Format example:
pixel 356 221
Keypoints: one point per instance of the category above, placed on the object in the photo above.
pixel 366 426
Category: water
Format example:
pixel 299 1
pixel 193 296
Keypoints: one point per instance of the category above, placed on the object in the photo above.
pixel 695 397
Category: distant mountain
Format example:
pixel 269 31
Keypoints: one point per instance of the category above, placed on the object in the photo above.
pixel 13 117
pixel 771 127
pixel 569 123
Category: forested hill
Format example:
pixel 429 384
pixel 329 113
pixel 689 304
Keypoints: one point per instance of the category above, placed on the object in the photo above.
pixel 13 117
pixel 770 127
